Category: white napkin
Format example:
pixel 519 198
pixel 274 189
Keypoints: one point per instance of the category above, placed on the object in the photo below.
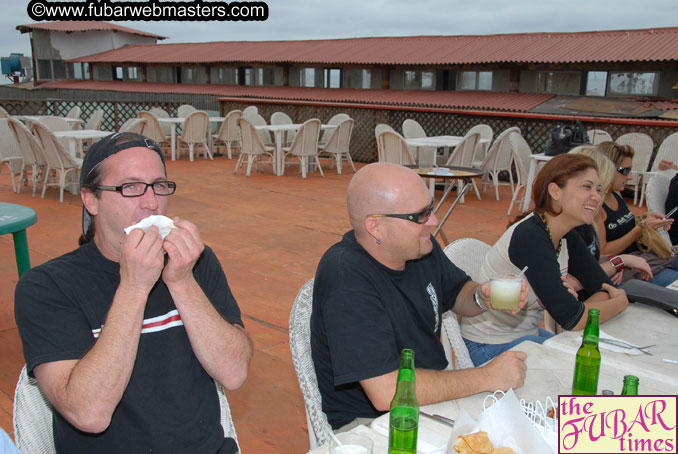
pixel 432 436
pixel 163 223
pixel 614 348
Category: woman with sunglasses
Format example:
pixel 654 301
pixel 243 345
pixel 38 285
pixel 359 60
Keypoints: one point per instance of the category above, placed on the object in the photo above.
pixel 616 224
pixel 566 195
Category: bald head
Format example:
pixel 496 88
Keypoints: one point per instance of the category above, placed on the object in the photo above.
pixel 379 188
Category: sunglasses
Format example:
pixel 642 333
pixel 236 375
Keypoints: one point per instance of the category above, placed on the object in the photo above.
pixel 624 170
pixel 420 218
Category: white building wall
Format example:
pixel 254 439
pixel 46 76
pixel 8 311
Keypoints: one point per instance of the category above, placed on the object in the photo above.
pixel 77 44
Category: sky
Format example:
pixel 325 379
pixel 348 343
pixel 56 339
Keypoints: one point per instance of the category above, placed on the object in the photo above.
pixel 322 19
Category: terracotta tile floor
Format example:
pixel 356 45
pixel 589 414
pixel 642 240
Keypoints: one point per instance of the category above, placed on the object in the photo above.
pixel 269 233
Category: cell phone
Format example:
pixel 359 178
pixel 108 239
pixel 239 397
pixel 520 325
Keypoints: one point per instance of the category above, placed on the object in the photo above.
pixel 670 213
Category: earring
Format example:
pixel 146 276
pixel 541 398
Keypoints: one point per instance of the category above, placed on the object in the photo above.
pixel 378 240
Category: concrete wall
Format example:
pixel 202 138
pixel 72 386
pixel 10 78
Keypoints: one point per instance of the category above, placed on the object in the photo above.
pixel 65 46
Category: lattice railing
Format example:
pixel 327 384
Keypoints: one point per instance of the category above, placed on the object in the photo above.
pixel 363 142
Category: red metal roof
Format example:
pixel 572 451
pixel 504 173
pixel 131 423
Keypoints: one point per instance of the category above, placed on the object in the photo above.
pixel 83 26
pixel 598 46
pixel 514 102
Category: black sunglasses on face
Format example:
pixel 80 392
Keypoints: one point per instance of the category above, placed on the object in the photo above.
pixel 624 170
pixel 420 218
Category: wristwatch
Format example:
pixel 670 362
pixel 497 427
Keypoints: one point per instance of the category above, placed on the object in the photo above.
pixel 617 262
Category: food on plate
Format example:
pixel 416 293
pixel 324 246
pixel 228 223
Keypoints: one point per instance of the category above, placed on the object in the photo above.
pixel 479 443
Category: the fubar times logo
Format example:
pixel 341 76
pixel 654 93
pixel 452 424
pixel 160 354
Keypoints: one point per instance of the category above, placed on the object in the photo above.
pixel 617 424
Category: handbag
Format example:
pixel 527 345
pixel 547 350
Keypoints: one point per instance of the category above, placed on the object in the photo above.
pixel 639 291
pixel 651 241
pixel 563 138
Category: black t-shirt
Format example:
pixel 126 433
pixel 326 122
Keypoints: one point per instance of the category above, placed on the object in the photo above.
pixel 588 234
pixel 364 314
pixel 671 203
pixel 171 403
pixel 619 222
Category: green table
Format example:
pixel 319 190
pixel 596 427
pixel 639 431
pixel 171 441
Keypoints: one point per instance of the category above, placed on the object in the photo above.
pixel 15 219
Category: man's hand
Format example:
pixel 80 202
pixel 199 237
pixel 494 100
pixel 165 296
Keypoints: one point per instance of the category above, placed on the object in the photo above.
pixel 142 259
pixel 506 371
pixel 183 246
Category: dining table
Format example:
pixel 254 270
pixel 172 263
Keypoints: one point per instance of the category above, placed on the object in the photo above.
pixel 449 173
pixel 550 369
pixel 174 121
pixel 70 121
pixel 444 142
pixel 279 133
pixel 75 138
pixel 535 160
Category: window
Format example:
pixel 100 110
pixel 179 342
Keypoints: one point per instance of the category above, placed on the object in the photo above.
pixel 45 70
pixel 596 83
pixel 332 78
pixel 224 75
pixel 564 82
pixel 633 83
pixel 475 80
pixel 117 73
pixel 307 77
pixel 132 72
pixel 418 80
pixel 246 76
pixel 359 78
pixel 159 74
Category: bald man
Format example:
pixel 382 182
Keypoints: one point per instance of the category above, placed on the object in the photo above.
pixel 383 288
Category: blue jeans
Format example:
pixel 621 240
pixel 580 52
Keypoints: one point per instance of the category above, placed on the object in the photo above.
pixel 482 353
pixel 666 276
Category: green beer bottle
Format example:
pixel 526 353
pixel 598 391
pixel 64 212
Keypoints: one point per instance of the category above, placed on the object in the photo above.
pixel 587 363
pixel 630 386
pixel 404 416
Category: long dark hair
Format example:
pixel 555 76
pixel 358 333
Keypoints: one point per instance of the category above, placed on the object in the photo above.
pixel 91 183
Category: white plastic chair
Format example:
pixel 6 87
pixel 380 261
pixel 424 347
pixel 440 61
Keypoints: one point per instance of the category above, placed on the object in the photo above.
pixel 257 120
pixel 228 133
pixel 668 150
pixel 412 129
pixel 32 417
pixel 94 120
pixel 194 133
pixel 462 156
pixel 31 152
pixel 305 146
pixel 185 110
pixel 656 192
pixel 393 148
pixel 4 113
pixel 381 127
pixel 300 345
pixel 500 157
pixel 467 254
pixel 161 113
pixel 521 161
pixel 251 146
pixel 338 144
pixel 642 145
pixel 10 155
pixel 486 133
pixel 334 121
pixel 153 130
pixel 64 167
pixel 249 110
pixel 281 118
pixel 597 136
pixel 135 125
pixel 75 112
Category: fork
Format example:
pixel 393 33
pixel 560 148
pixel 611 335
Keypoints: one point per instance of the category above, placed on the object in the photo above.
pixel 623 344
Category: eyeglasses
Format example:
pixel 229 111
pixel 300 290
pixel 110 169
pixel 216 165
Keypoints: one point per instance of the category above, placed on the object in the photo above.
pixel 139 188
pixel 624 170
pixel 420 218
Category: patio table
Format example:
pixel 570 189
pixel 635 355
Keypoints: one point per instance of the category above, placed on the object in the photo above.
pixel 444 142
pixel 76 137
pixel 279 133
pixel 15 219
pixel 466 174
pixel 549 373
pixel 535 159
pixel 71 121
pixel 174 121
